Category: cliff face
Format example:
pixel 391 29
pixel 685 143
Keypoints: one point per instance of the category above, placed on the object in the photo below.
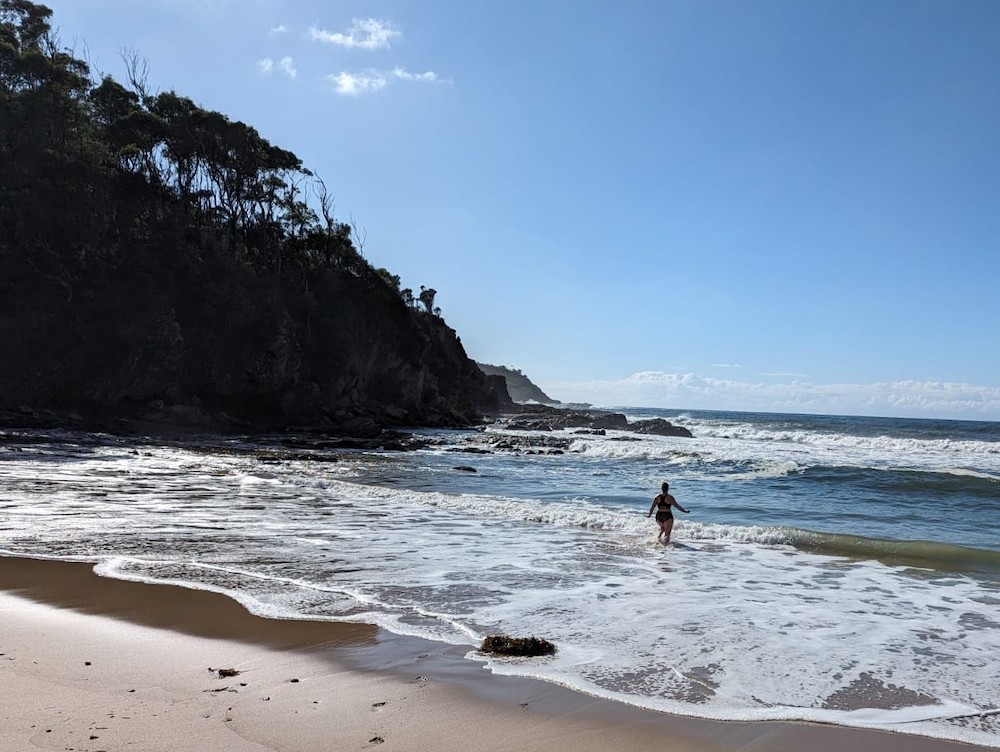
pixel 332 351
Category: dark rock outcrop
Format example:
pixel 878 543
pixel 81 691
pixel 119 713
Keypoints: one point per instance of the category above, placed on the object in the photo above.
pixel 383 365
pixel 516 646
pixel 660 427
pixel 545 418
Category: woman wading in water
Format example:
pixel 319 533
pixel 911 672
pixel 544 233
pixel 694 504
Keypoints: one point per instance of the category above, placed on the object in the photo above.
pixel 661 504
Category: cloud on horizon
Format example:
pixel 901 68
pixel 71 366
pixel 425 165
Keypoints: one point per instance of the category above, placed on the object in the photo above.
pixel 688 390
pixel 365 34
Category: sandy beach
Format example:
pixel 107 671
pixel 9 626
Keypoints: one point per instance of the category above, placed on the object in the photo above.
pixel 89 663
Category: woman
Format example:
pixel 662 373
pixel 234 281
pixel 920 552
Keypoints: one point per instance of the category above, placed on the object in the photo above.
pixel 662 503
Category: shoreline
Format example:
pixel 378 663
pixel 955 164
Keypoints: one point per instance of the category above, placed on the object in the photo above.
pixel 160 635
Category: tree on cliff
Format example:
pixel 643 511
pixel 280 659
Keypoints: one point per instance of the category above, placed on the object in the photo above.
pixel 154 250
pixel 426 298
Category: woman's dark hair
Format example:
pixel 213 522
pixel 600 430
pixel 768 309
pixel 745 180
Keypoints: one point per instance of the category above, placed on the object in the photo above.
pixel 664 487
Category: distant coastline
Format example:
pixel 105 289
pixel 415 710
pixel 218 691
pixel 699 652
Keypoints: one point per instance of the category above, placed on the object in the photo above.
pixel 519 386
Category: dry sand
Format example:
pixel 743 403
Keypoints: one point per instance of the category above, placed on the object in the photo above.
pixel 89 664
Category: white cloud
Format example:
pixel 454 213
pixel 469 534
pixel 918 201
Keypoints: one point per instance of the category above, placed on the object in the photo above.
pixel 365 34
pixel 405 75
pixel 288 68
pixel 282 29
pixel 688 390
pixel 355 84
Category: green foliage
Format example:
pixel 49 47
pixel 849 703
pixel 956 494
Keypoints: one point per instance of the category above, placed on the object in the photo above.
pixel 169 161
pixel 426 298
pixel 391 280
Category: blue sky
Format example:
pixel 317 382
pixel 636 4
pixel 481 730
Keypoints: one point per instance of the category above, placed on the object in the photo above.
pixel 748 205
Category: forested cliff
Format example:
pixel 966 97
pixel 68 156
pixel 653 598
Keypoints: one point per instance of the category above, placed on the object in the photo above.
pixel 157 257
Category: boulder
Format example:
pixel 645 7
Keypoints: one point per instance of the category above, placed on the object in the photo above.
pixel 659 427
pixel 516 646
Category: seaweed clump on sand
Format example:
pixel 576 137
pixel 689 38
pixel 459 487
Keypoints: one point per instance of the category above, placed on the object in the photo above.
pixel 516 646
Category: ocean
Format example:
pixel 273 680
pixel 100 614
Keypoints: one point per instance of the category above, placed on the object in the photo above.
pixel 841 570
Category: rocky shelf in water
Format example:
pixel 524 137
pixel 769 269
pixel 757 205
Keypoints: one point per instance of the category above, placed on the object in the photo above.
pixel 554 431
pixel 548 418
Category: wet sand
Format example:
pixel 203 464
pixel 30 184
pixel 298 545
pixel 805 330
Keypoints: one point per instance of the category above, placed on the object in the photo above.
pixel 90 663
